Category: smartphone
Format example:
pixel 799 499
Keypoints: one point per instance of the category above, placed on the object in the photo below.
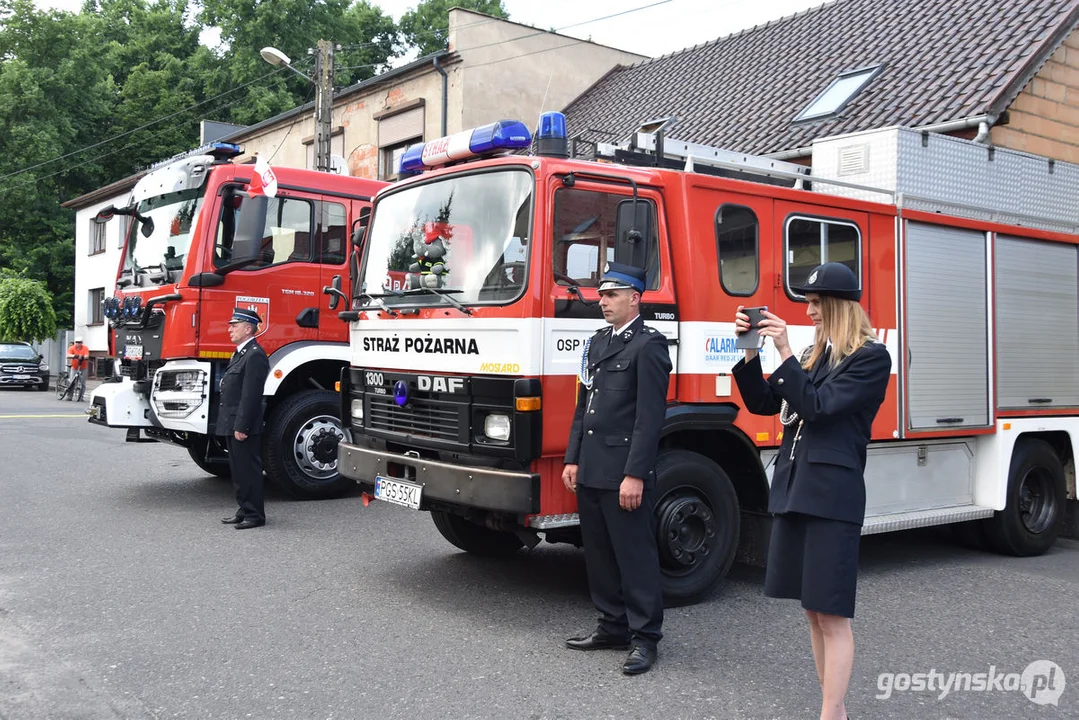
pixel 751 339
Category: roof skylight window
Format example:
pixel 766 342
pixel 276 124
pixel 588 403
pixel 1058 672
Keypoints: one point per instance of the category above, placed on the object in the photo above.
pixel 840 92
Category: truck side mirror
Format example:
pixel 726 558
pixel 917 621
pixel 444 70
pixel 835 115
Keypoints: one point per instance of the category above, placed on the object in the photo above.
pixel 359 229
pixel 105 214
pixel 634 232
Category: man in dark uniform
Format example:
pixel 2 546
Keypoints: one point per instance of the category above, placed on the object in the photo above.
pixel 610 464
pixel 239 417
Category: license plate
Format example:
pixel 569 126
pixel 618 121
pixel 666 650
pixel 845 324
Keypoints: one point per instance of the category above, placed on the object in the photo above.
pixel 133 352
pixel 22 377
pixel 398 492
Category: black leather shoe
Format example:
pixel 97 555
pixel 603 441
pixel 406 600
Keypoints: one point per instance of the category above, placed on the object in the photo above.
pixel 595 641
pixel 246 523
pixel 233 520
pixel 640 660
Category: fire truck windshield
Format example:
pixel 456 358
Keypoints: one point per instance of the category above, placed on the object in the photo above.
pixel 467 235
pixel 160 236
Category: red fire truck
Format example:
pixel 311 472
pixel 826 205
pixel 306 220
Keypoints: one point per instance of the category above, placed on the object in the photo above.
pixel 462 389
pixel 200 243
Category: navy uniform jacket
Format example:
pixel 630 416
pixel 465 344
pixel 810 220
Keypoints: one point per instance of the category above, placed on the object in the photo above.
pixel 617 424
pixel 826 478
pixel 241 391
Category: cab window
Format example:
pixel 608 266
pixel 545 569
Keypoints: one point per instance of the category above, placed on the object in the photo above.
pixel 810 242
pixel 584 237
pixel 334 233
pixel 263 231
pixel 737 236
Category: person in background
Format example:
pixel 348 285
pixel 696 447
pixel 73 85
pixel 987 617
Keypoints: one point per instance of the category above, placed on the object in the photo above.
pixel 610 464
pixel 826 400
pixel 78 357
pixel 239 418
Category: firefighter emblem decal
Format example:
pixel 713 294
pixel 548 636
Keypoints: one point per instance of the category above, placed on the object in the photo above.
pixel 261 306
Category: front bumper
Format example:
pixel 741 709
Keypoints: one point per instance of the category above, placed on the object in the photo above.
pixel 120 405
pixel 466 486
pixel 35 380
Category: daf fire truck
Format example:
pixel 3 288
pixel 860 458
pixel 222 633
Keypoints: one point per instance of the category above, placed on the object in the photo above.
pixel 203 240
pixel 461 391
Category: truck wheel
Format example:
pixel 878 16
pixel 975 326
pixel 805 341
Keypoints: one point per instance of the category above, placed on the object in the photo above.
pixel 197 451
pixel 697 525
pixel 299 446
pixel 473 538
pixel 1034 513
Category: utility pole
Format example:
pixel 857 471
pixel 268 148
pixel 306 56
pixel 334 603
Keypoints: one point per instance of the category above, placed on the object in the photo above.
pixel 323 104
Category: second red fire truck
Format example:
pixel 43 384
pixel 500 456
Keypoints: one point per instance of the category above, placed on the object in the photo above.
pixel 462 386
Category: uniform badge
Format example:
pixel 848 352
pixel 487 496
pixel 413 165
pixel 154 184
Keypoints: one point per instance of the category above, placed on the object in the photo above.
pixel 606 267
pixel 812 278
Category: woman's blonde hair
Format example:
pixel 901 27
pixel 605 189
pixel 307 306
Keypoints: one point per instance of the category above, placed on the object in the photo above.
pixel 846 324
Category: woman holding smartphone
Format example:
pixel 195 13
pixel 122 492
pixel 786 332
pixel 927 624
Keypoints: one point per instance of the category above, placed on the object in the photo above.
pixel 826 400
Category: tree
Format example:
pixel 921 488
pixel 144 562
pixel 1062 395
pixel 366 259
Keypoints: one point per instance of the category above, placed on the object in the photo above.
pixel 368 38
pixel 426 26
pixel 26 311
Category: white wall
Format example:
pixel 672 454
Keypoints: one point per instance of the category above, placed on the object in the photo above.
pixel 96 271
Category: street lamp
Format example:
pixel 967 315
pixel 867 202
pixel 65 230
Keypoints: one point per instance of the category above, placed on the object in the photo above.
pixel 323 81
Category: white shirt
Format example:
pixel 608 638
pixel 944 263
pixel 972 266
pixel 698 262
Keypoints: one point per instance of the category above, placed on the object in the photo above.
pixel 622 329
pixel 241 345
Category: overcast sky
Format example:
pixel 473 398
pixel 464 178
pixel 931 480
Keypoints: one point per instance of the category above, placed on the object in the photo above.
pixel 667 26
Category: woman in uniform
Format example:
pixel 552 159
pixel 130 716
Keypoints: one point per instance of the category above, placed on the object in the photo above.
pixel 826 399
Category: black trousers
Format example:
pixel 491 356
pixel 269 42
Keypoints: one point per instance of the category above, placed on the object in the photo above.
pixel 245 462
pixel 623 564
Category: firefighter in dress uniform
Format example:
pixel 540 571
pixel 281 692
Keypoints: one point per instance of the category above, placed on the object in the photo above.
pixel 610 461
pixel 239 418
pixel 826 400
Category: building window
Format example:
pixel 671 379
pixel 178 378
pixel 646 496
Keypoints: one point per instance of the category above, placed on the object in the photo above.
pixel 95 310
pixel 737 230
pixel 395 134
pixel 97 237
pixel 584 238
pixel 838 94
pixel 389 158
pixel 811 242
pixel 337 147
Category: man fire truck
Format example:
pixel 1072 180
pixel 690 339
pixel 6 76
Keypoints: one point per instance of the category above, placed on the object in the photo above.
pixel 208 235
pixel 461 392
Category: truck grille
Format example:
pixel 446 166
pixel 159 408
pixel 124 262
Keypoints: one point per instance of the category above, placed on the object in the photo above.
pixel 421 417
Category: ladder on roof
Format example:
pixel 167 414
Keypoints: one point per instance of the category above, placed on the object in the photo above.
pixel 652 148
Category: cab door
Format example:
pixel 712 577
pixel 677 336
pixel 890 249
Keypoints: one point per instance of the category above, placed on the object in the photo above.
pixel 264 248
pixel 333 257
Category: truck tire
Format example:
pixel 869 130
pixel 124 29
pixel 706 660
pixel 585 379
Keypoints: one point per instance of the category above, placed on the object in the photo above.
pixel 473 538
pixel 299 446
pixel 215 467
pixel 697 525
pixel 1034 514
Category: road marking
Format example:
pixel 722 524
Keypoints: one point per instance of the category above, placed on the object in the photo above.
pixel 16 417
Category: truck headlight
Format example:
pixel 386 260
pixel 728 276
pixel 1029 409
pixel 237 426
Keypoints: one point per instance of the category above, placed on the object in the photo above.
pixel 497 427
pixel 357 410
pixel 179 393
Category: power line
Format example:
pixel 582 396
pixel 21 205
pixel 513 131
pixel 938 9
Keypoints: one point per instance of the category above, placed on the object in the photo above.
pixel 141 127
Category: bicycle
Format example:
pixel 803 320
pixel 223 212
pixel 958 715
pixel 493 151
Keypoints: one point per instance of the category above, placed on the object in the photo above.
pixel 69 386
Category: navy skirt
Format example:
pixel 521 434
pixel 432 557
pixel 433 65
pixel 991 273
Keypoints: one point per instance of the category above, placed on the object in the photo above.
pixel 814 560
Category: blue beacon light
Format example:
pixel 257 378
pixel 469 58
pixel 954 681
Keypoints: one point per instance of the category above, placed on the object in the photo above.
pixel 400 393
pixel 551 135
pixel 504 135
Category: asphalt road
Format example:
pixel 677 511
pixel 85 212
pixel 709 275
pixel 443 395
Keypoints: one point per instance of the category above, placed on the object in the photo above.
pixel 122 596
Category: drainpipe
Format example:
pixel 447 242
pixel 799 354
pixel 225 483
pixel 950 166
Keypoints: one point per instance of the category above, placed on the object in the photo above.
pixel 445 92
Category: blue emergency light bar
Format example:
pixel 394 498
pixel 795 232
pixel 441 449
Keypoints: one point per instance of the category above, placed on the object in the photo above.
pixel 497 137
pixel 219 150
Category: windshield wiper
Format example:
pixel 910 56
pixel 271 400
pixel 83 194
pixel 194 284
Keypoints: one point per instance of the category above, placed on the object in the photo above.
pixel 377 299
pixel 444 293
